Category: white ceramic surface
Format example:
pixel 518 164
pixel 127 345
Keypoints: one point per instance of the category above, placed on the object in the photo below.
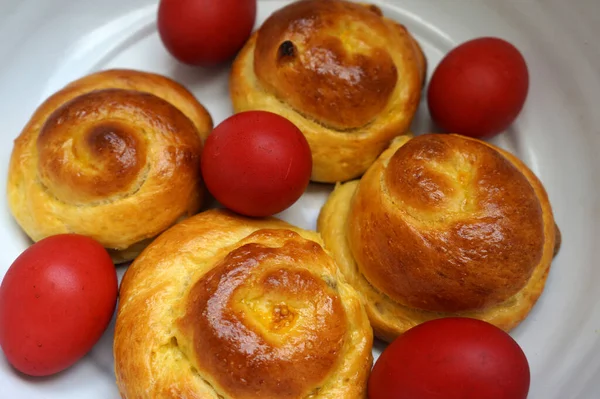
pixel 45 44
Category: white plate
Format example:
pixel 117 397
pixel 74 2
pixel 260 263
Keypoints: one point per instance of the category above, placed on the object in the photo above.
pixel 45 44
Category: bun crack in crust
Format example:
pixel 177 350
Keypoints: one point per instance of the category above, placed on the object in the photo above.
pixel 442 225
pixel 348 77
pixel 114 156
pixel 221 306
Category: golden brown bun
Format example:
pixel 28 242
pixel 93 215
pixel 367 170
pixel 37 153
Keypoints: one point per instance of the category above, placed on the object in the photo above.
pixel 442 225
pixel 349 78
pixel 114 156
pixel 221 306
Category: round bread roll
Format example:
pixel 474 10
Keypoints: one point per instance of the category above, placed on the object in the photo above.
pixel 114 156
pixel 226 307
pixel 442 225
pixel 347 77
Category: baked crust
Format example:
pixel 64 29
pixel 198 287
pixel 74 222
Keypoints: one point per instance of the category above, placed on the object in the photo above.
pixel 222 306
pixel 114 156
pixel 348 77
pixel 442 225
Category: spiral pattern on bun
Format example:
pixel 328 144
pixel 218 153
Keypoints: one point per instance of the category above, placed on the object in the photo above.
pixel 348 77
pixel 228 307
pixel 442 225
pixel 114 156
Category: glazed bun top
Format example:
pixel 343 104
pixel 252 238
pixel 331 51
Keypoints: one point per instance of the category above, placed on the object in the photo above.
pixel 447 224
pixel 330 60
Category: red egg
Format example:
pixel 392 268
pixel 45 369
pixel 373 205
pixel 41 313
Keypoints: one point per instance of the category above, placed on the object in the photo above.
pixel 479 88
pixel 56 300
pixel 256 163
pixel 205 32
pixel 451 358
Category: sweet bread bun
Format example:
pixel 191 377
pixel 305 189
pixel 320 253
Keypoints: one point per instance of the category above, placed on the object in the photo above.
pixel 114 156
pixel 221 306
pixel 349 78
pixel 442 225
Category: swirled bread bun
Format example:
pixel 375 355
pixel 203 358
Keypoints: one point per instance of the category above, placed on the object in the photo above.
pixel 221 306
pixel 349 78
pixel 114 156
pixel 442 225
